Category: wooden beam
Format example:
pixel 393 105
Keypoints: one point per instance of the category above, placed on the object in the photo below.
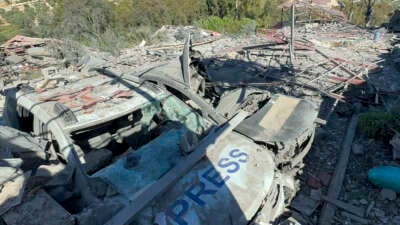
pixel 328 210
pixel 126 215
pixel 345 206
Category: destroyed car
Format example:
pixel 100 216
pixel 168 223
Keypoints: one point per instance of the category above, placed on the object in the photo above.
pixel 146 148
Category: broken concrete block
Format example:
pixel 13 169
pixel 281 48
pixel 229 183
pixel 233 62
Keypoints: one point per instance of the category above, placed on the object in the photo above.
pixel 14 59
pixel 305 204
pixel 388 194
pixel 357 149
pixel 316 194
pixel 38 209
pixel 38 52
pixel 395 142
pixel 313 182
pixel 12 192
pixel 325 178
pixel 97 159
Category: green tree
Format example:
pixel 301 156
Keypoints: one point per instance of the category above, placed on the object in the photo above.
pixel 82 20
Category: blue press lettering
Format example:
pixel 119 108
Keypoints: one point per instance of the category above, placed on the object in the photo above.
pixel 212 176
pixel 236 153
pixel 177 211
pixel 197 190
pixel 226 163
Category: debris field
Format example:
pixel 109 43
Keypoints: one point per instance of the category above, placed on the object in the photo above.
pixel 199 128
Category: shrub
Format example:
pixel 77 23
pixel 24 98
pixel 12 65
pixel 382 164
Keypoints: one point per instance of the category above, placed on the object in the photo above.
pixel 228 25
pixel 7 32
pixel 379 123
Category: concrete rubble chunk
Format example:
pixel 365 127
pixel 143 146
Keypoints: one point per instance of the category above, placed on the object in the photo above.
pixel 14 59
pixel 395 142
pixel 313 182
pixel 30 212
pixel 363 201
pixel 324 177
pixel 38 51
pixel 388 194
pixel 357 148
pixel 305 205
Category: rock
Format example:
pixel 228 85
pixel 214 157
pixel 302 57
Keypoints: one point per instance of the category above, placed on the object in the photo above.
pixel 363 201
pixel 38 209
pixel 38 52
pixel 313 182
pixel 14 59
pixel 357 149
pixel 325 178
pixel 395 142
pixel 305 204
pixel 388 194
pixel 379 212
pixel 316 194
pixel 396 220
pixel 369 209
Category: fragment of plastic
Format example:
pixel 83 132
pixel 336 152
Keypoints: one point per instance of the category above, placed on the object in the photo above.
pixel 385 177
pixel 377 36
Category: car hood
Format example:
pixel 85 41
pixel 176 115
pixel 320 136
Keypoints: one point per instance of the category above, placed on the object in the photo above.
pixel 227 186
pixel 283 120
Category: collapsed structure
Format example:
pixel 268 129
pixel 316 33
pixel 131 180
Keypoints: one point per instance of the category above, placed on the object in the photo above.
pixel 160 137
pixel 149 148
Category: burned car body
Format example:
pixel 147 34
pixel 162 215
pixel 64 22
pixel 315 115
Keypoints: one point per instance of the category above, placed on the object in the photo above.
pixel 150 148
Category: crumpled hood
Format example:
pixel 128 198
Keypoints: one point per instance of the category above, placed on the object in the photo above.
pixel 227 186
pixel 283 119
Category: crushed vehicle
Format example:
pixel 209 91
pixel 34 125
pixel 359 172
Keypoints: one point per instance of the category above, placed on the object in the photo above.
pixel 150 148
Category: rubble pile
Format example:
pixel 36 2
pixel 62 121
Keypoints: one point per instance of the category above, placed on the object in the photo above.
pixel 335 65
pixel 22 54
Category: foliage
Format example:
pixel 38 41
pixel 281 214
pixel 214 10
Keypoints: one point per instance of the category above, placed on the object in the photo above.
pixel 356 11
pixel 378 123
pixel 228 25
pixel 114 24
pixel 23 20
pixel 7 32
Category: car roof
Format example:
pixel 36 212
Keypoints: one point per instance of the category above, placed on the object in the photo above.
pixel 87 100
